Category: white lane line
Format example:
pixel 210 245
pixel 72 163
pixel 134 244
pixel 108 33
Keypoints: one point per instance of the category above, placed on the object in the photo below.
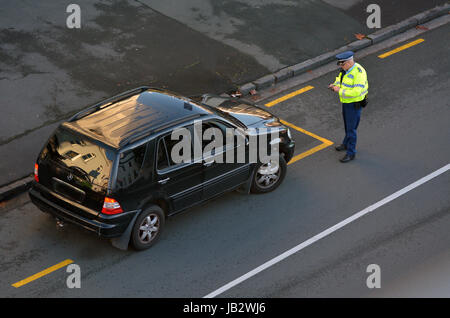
pixel 328 231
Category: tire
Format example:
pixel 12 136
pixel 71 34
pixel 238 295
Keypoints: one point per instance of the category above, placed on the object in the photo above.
pixel 265 181
pixel 147 228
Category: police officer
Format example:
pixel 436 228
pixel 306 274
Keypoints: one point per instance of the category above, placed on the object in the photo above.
pixel 352 86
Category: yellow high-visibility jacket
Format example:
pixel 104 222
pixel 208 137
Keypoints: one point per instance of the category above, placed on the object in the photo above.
pixel 354 86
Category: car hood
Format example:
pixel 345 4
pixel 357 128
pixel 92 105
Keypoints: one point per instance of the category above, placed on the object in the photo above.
pixel 247 114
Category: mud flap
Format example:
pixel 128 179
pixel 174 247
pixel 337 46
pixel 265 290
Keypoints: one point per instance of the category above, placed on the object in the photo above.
pixel 245 187
pixel 123 241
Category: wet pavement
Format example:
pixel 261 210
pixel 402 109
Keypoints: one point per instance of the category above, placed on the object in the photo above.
pixel 219 241
pixel 48 71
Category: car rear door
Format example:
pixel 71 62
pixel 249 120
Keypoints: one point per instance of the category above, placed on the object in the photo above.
pixel 181 182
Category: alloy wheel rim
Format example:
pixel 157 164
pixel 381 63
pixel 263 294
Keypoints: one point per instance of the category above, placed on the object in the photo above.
pixel 268 174
pixel 148 229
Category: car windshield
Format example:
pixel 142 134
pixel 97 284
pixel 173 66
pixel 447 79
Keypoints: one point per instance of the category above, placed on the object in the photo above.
pixel 225 115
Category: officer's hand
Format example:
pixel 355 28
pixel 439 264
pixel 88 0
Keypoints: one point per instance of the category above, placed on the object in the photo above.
pixel 336 89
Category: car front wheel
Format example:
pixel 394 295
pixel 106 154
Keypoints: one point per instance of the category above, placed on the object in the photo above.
pixel 268 176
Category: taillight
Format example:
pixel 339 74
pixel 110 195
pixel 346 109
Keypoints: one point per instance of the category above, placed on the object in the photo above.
pixel 111 206
pixel 36 172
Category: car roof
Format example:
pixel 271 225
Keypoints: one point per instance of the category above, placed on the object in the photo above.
pixel 120 121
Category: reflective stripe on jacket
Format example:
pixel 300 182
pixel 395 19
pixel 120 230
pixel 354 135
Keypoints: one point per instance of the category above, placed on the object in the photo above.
pixel 354 86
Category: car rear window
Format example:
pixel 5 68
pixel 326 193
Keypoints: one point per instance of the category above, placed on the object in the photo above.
pixel 81 155
pixel 130 166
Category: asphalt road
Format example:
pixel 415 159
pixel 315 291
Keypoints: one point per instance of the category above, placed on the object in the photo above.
pixel 403 136
pixel 48 71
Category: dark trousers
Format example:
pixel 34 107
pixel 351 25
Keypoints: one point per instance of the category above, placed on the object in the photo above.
pixel 352 114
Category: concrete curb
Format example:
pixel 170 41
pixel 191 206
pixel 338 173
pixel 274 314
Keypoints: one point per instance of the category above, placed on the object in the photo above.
pixel 371 39
pixel 15 188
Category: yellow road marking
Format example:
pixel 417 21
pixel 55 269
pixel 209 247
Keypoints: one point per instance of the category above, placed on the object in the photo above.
pixel 43 273
pixel 285 97
pixel 325 143
pixel 306 132
pixel 401 48
pixel 309 152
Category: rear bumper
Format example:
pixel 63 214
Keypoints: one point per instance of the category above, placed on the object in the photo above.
pixel 107 226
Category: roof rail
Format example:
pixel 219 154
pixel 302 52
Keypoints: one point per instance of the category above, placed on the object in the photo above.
pixel 107 102
pixel 163 126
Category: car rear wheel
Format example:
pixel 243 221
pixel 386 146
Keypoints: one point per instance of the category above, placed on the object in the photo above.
pixel 268 176
pixel 147 228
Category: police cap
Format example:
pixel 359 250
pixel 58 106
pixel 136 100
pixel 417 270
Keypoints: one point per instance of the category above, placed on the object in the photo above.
pixel 344 56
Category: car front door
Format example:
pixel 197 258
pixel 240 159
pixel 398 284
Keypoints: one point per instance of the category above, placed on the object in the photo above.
pixel 226 167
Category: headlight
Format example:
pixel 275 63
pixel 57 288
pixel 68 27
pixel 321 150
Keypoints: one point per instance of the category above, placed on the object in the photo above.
pixel 289 133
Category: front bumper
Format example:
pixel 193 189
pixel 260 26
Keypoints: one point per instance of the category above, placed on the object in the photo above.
pixel 107 226
pixel 288 150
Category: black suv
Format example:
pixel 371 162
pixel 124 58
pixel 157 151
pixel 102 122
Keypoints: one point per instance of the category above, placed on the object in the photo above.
pixel 109 168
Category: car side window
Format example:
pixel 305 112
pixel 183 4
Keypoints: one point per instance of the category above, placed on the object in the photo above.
pixel 162 162
pixel 130 166
pixel 166 147
pixel 216 125
pixel 169 146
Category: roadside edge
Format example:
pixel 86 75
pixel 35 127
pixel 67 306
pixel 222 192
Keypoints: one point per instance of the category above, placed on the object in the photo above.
pixel 325 58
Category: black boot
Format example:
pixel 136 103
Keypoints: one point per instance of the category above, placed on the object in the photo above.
pixel 341 147
pixel 347 158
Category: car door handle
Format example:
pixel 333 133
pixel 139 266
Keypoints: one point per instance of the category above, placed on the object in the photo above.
pixel 163 181
pixel 208 164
